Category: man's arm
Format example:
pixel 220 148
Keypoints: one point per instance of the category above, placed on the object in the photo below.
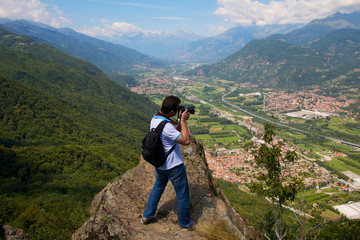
pixel 184 138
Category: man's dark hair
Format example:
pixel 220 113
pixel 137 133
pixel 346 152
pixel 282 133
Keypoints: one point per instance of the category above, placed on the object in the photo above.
pixel 170 103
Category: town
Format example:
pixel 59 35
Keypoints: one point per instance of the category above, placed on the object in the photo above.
pixel 226 164
pixel 238 165
pixel 279 102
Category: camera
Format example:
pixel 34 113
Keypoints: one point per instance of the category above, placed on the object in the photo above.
pixel 190 108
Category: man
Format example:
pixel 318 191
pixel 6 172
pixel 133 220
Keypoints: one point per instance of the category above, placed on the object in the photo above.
pixel 173 168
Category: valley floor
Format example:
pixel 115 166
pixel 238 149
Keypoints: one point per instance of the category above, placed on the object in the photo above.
pixel 330 174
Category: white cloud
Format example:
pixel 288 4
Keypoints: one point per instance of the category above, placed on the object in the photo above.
pixel 215 30
pixel 172 18
pixel 112 30
pixel 249 12
pixel 32 10
pixel 139 5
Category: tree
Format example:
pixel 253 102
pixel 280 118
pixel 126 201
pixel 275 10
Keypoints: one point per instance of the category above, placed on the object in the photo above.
pixel 345 229
pixel 272 182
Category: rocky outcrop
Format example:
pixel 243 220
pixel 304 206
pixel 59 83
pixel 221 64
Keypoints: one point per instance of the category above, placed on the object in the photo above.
pixel 116 211
pixel 10 233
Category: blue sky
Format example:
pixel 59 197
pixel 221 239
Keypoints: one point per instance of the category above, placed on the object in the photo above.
pixel 203 17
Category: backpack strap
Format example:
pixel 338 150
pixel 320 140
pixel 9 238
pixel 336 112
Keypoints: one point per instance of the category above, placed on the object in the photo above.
pixel 172 148
pixel 161 126
pixel 159 130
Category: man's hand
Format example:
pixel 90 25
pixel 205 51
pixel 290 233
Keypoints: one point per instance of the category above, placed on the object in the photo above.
pixel 184 115
pixel 184 137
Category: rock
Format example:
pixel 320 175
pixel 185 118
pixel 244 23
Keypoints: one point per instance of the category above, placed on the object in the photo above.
pixel 10 233
pixel 116 211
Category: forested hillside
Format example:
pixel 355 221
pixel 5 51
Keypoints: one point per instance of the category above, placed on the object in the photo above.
pixel 66 130
pixel 277 63
pixel 48 69
pixel 269 63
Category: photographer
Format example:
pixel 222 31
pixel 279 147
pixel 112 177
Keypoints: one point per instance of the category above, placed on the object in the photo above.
pixel 173 169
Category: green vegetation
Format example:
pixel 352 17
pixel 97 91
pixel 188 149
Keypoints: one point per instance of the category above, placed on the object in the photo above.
pixel 124 80
pixel 66 130
pixel 248 205
pixel 268 62
pixel 212 130
pixel 312 146
pixel 314 139
pixel 272 182
pixel 281 64
pixel 55 73
pixel 257 211
pixel 340 230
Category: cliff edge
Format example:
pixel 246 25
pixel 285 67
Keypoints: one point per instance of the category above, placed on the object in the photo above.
pixel 116 211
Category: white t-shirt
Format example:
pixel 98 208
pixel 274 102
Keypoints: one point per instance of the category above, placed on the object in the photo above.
pixel 168 136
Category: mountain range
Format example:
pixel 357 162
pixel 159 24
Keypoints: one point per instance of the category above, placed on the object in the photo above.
pixel 320 27
pixel 185 46
pixel 188 47
pixel 181 46
pixel 214 49
pixel 67 130
pixel 109 57
pixel 318 52
pixel 158 44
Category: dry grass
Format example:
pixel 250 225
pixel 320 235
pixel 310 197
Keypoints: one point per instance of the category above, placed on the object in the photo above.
pixel 216 230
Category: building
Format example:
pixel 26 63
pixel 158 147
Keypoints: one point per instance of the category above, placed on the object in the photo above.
pixel 350 210
pixel 307 114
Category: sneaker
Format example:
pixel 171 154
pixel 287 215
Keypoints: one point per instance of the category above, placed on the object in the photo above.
pixel 145 221
pixel 191 227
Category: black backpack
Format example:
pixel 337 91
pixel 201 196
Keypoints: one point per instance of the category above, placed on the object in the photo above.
pixel 152 147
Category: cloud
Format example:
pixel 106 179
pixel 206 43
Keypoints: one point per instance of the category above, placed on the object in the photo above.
pixel 112 30
pixel 32 10
pixel 172 18
pixel 140 5
pixel 249 12
pixel 215 30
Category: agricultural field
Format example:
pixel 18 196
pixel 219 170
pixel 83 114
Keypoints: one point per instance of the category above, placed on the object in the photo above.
pixel 213 130
pixel 320 202
pixel 211 125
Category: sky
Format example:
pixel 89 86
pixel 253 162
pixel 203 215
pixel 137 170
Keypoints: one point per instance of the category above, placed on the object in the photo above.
pixel 112 18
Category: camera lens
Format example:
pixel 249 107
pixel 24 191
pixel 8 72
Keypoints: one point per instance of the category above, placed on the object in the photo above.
pixel 191 109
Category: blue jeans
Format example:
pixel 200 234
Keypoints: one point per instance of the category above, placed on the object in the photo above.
pixel 178 178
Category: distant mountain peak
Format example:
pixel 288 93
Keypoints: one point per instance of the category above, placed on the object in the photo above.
pixel 159 44
pixel 178 33
pixel 314 54
pixel 212 49
pixel 117 58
